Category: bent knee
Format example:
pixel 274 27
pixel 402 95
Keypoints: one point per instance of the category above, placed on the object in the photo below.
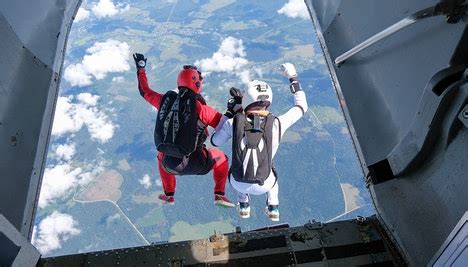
pixel 217 155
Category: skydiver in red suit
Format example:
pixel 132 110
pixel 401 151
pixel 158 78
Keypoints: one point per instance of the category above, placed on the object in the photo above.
pixel 170 126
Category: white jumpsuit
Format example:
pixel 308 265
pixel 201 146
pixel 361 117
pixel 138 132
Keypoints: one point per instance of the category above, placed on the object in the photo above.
pixel 224 132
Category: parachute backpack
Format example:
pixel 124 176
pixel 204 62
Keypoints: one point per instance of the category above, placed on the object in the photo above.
pixel 252 148
pixel 177 130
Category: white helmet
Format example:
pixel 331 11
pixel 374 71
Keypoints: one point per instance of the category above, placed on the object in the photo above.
pixel 258 92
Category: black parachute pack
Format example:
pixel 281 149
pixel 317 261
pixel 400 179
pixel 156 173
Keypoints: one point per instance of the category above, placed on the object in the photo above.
pixel 252 148
pixel 178 130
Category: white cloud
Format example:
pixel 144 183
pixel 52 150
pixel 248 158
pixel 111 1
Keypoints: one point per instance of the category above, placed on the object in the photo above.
pixel 145 181
pixel 109 56
pixel 82 14
pixel 101 58
pixel 64 120
pixel 245 76
pixel 101 9
pixel 65 152
pixel 107 8
pixel 295 9
pixel 88 99
pixel 100 128
pixel 76 74
pixel 118 79
pixel 53 230
pixel 58 181
pixel 228 58
pixel 62 179
pixel 71 117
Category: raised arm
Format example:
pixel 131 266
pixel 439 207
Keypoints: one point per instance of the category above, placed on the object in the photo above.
pixel 300 101
pixel 208 115
pixel 154 98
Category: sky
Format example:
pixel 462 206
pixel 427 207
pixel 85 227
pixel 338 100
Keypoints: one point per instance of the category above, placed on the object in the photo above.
pixel 75 112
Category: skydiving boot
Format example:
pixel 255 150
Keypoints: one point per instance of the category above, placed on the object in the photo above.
pixel 244 210
pixel 272 212
pixel 167 199
pixel 223 201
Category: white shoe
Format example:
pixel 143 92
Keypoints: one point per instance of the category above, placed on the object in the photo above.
pixel 244 210
pixel 272 212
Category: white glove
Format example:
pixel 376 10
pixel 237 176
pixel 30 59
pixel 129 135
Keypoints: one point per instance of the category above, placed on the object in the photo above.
pixel 288 70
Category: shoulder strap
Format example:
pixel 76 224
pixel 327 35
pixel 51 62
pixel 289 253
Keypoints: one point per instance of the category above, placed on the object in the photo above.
pixel 269 120
pixel 239 119
pixel 201 99
pixel 279 128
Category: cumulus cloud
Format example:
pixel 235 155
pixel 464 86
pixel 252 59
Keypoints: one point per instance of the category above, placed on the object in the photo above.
pixel 58 181
pixel 62 179
pixel 145 181
pixel 88 99
pixel 245 76
pixel 107 8
pixel 76 74
pixel 101 58
pixel 101 9
pixel 82 14
pixel 53 230
pixel 65 151
pixel 118 79
pixel 295 9
pixel 228 58
pixel 73 113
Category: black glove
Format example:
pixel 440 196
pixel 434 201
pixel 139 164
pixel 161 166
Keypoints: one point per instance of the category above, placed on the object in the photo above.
pixel 234 104
pixel 140 61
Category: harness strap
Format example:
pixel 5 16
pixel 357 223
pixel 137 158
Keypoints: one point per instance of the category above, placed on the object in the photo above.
pixel 279 126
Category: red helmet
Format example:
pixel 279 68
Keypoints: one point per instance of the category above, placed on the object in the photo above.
pixel 190 78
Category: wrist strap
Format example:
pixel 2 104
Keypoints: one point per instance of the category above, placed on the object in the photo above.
pixel 295 86
pixel 228 114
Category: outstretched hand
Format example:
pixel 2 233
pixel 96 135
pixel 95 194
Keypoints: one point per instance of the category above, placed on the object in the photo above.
pixel 288 70
pixel 235 92
pixel 140 61
pixel 234 104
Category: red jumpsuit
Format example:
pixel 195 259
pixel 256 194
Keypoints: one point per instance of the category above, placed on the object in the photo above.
pixel 208 116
